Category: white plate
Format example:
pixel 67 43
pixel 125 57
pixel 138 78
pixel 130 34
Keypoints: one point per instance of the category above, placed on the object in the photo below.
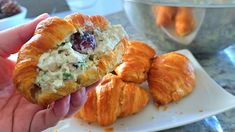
pixel 207 99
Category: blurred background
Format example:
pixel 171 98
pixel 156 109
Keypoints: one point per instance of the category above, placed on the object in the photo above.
pixel 14 12
pixel 170 25
pixel 89 7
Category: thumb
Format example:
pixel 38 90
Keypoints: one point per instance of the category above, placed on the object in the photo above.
pixel 50 117
pixel 12 39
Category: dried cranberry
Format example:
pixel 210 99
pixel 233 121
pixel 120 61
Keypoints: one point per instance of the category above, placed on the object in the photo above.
pixel 83 42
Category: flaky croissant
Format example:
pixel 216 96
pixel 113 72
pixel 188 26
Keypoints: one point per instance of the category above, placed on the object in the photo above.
pixel 111 99
pixel 170 78
pixel 184 21
pixel 66 54
pixel 165 15
pixel 136 62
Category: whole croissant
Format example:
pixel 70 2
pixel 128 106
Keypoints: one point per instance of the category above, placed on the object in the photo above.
pixel 184 21
pixel 111 99
pixel 171 77
pixel 136 62
pixel 165 15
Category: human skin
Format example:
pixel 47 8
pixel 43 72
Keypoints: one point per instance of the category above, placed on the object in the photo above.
pixel 16 113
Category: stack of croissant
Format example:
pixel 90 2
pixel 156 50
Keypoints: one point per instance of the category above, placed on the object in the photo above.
pixel 170 77
pixel 181 18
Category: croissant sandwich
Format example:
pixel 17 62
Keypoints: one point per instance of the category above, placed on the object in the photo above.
pixel 111 99
pixel 66 54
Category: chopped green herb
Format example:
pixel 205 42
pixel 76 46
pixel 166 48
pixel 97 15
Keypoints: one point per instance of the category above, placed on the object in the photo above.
pixel 90 32
pixel 45 72
pixel 60 51
pixel 91 57
pixel 67 76
pixel 80 64
pixel 75 65
pixel 62 44
pixel 42 80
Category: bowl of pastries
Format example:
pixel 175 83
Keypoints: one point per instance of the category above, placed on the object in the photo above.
pixel 11 14
pixel 202 26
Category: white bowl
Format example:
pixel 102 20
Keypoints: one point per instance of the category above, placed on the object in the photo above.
pixel 13 20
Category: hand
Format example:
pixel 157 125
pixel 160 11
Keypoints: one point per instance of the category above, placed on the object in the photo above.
pixel 16 113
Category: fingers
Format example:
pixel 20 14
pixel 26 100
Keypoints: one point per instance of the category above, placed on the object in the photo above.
pixel 23 114
pixel 62 108
pixel 77 100
pixel 12 39
pixel 50 117
pixel 93 86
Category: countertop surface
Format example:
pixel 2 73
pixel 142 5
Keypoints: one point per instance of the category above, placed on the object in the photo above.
pixel 220 66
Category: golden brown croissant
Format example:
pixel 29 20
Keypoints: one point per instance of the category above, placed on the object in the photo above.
pixel 136 62
pixel 111 99
pixel 66 54
pixel 165 15
pixel 184 21
pixel 170 78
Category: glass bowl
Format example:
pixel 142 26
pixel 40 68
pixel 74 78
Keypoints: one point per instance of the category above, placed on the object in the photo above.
pixel 76 5
pixel 212 22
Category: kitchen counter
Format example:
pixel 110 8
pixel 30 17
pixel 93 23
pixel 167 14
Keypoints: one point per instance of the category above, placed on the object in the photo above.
pixel 221 67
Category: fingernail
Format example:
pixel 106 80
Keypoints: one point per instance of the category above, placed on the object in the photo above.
pixel 84 95
pixel 82 92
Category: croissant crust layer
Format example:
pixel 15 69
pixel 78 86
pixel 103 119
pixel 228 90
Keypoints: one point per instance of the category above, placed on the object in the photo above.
pixel 170 78
pixel 136 62
pixel 111 99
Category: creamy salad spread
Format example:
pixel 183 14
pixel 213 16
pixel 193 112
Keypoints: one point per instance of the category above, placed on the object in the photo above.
pixel 69 59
